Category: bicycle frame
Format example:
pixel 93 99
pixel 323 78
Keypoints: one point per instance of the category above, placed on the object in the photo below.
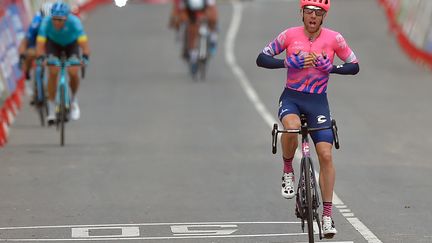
pixel 39 78
pixel 62 95
pixel 306 209
pixel 63 84
pixel 203 40
pixel 39 99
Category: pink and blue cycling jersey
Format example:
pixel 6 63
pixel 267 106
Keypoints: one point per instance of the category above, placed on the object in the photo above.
pixel 328 43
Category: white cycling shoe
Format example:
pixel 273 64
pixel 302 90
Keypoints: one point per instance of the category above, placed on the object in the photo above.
pixel 328 227
pixel 29 88
pixel 75 111
pixel 51 117
pixel 287 190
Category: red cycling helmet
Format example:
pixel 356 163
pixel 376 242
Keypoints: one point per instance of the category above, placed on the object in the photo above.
pixel 324 4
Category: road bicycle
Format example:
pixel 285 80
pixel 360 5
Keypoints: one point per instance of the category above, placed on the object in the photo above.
pixel 203 50
pixel 39 99
pixel 63 100
pixel 307 196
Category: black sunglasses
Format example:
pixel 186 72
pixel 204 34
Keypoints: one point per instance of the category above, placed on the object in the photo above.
pixel 59 19
pixel 318 12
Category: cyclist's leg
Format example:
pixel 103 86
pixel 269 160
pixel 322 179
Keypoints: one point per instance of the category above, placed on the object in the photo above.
pixel 193 36
pixel 212 16
pixel 72 53
pixel 28 64
pixel 30 57
pixel 184 23
pixel 318 115
pixel 53 52
pixel 289 116
pixel 73 72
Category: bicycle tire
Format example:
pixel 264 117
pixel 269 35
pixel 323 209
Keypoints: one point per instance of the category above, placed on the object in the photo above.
pixel 62 115
pixel 309 211
pixel 202 69
pixel 41 114
pixel 39 96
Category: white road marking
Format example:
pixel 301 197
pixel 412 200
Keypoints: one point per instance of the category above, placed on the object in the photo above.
pixel 333 242
pixel 85 232
pixel 184 230
pixel 341 206
pixel 360 227
pixel 158 238
pixel 263 111
pixel 142 224
pixel 346 210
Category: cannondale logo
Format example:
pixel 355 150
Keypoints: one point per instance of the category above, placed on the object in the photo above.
pixel 321 119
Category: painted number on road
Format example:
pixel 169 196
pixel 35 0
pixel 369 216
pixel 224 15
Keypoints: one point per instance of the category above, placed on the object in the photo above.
pixel 181 230
pixel 105 232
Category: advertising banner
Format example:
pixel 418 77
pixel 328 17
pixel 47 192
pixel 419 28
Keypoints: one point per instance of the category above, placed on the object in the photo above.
pixel 411 20
pixel 11 33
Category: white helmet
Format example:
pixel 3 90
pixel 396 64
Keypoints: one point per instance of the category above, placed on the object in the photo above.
pixel 45 9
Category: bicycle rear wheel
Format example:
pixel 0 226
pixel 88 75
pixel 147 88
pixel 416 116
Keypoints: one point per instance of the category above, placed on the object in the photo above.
pixel 306 163
pixel 62 115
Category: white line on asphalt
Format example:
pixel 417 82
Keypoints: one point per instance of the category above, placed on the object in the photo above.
pixel 341 206
pixel 158 237
pixel 333 242
pixel 142 224
pixel 263 111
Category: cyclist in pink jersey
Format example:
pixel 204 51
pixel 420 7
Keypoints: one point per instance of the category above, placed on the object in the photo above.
pixel 310 50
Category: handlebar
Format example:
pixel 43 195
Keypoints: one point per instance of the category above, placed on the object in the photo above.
pixel 276 131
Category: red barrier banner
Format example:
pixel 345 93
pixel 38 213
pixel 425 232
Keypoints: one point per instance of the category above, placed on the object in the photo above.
pixel 411 21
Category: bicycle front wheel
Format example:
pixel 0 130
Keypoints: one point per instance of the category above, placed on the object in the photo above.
pixel 306 163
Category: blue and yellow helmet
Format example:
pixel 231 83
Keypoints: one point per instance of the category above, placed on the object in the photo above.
pixel 60 9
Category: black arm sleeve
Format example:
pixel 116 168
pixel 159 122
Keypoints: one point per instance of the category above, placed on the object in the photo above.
pixel 270 62
pixel 346 68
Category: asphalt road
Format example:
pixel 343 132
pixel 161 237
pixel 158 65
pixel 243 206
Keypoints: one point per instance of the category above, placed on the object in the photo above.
pixel 158 157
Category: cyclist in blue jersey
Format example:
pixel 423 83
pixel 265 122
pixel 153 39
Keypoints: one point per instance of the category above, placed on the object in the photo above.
pixel 62 32
pixel 26 50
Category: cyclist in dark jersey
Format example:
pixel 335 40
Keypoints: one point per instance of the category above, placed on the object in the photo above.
pixel 192 11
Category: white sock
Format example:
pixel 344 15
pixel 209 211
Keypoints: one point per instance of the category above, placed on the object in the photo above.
pixel 51 107
pixel 193 55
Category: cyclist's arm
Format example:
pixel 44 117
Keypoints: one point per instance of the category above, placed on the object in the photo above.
pixel 266 58
pixel 41 38
pixel 344 52
pixel 82 38
pixel 346 69
pixel 83 43
pixel 30 35
pixel 23 46
pixel 267 61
